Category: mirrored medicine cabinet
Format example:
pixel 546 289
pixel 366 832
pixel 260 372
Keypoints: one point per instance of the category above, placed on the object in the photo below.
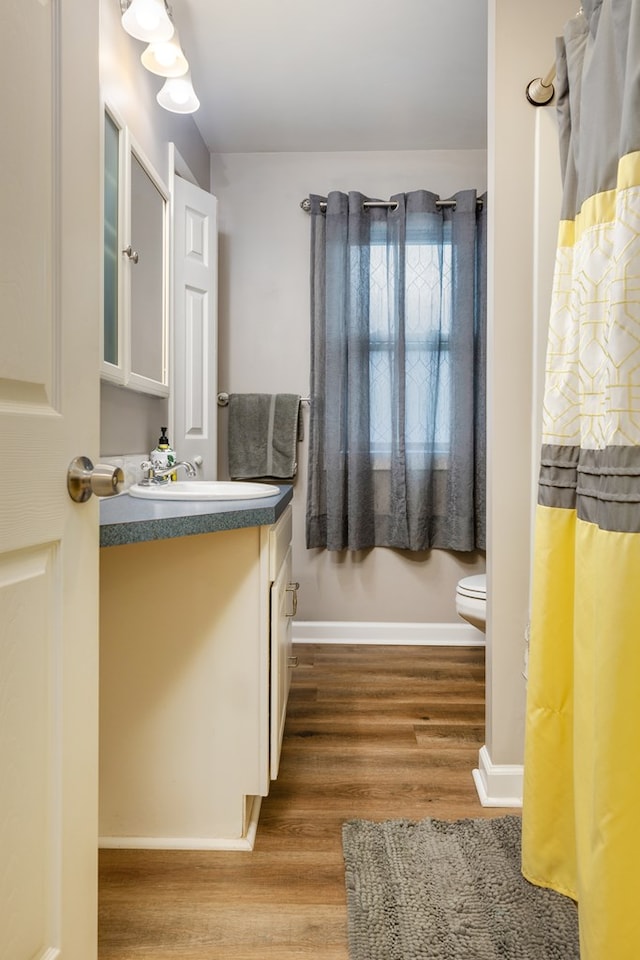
pixel 135 320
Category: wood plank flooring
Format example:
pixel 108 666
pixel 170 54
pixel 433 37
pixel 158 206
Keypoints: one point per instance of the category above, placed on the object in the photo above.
pixel 372 732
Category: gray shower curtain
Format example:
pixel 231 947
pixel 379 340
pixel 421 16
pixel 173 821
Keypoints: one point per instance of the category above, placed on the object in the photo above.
pixel 398 347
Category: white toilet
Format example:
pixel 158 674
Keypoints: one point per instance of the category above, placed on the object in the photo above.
pixel 471 600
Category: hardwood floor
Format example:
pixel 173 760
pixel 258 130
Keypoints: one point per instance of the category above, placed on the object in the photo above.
pixel 372 732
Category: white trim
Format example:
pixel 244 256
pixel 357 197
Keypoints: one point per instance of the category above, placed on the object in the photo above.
pixel 393 634
pixel 189 843
pixel 498 784
pixel 174 843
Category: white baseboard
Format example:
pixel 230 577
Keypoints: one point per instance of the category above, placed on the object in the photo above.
pixel 498 784
pixel 188 843
pixel 396 634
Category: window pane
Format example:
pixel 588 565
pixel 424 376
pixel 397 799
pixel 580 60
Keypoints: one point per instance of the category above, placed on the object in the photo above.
pixel 427 373
pixel 380 400
pixel 379 286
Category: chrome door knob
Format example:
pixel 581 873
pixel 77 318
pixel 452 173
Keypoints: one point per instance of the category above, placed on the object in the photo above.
pixel 83 479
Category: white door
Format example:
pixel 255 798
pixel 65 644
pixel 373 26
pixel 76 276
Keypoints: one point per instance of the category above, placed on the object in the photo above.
pixel 49 409
pixel 194 355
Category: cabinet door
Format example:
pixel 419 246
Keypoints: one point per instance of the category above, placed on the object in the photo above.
pixel 147 276
pixel 281 614
pixel 135 275
pixel 113 352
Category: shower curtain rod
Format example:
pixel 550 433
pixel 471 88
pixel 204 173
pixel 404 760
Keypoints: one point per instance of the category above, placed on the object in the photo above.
pixel 367 204
pixel 540 91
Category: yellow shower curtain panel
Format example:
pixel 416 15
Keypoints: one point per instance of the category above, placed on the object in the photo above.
pixel 581 816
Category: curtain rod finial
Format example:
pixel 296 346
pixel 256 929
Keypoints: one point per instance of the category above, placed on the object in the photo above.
pixel 539 93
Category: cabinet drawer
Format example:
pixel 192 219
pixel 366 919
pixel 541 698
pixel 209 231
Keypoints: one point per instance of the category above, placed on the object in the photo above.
pixel 279 540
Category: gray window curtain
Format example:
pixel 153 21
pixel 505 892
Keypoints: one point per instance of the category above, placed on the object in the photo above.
pixel 397 430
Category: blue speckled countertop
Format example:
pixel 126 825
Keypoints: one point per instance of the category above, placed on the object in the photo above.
pixel 125 519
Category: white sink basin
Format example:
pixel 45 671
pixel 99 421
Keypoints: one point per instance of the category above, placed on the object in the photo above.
pixel 203 490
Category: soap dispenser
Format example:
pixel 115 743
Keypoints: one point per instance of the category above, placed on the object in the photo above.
pixel 163 455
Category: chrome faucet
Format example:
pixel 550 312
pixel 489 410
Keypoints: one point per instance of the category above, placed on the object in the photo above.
pixel 162 476
pixel 165 474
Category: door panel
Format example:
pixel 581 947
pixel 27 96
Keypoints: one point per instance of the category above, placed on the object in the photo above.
pixel 49 329
pixel 194 361
pixel 27 173
pixel 30 751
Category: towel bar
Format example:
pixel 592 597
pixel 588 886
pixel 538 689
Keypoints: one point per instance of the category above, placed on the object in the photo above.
pixel 223 399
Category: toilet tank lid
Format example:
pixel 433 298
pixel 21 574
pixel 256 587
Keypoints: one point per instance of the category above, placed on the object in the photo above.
pixel 474 586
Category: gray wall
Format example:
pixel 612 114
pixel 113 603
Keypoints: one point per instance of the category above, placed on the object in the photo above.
pixel 264 347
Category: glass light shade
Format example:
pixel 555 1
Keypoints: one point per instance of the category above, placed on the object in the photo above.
pixel 178 95
pixel 147 20
pixel 165 58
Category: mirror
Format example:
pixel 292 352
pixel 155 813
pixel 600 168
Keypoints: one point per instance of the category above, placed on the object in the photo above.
pixel 148 273
pixel 111 280
pixel 135 322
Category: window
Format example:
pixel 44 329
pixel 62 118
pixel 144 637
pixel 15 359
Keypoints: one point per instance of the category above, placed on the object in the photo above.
pixel 396 438
pixel 427 365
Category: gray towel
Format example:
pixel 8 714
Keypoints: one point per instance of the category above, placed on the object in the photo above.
pixel 263 433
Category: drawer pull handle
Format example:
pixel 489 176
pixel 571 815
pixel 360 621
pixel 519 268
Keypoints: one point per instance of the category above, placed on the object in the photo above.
pixel 293 588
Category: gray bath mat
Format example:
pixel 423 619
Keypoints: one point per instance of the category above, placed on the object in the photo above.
pixel 449 890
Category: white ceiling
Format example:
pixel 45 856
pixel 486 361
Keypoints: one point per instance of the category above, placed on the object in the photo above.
pixel 328 75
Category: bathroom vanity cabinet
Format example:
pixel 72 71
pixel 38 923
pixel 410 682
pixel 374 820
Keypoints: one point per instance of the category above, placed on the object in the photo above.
pixel 195 637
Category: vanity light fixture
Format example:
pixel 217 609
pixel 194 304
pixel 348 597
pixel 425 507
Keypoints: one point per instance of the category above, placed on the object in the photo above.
pixel 152 21
pixel 165 57
pixel 178 95
pixel 146 20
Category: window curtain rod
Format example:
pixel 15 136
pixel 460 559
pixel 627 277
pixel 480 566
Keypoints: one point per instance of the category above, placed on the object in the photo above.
pixel 391 204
